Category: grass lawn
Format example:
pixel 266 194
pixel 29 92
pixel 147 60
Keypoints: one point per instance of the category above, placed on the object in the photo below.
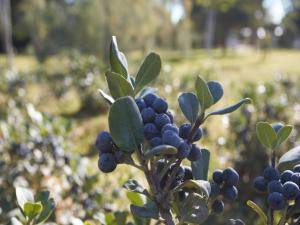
pixel 178 73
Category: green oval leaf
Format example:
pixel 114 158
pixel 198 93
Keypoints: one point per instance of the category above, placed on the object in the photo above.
pixel 200 167
pixel 194 209
pixel 107 97
pixel 289 159
pixel 230 108
pixel 31 210
pixel 133 185
pixel 189 105
pixel 118 85
pixel 118 62
pixel 125 124
pixel 148 71
pixel 205 97
pixel 266 134
pixel 160 150
pixel 149 210
pixel 23 195
pixel 136 198
pixel 200 186
pixel 48 206
pixel 258 210
pixel 216 90
pixel 283 134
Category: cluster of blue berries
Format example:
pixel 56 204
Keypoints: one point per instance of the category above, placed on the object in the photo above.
pixel 109 154
pixel 159 128
pixel 282 188
pixel 223 186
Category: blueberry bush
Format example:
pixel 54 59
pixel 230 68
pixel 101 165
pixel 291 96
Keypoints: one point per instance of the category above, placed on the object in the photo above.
pixel 270 103
pixel 33 156
pixel 279 185
pixel 35 209
pixel 143 134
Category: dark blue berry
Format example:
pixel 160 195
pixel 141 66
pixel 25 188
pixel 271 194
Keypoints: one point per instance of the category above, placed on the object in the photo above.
pixel 260 184
pixel 169 127
pixel 148 115
pixel 286 176
pixel 104 142
pixel 188 174
pixel 218 176
pixel 276 201
pixel 184 130
pixel 296 168
pixel 107 162
pixel 183 150
pixel 180 173
pixel 198 134
pixel 217 206
pixel 149 99
pixel 171 138
pixel 156 141
pixel 230 176
pixel 160 105
pixel 290 190
pixel 195 153
pixel 170 115
pixel 161 120
pixel 275 186
pixel 214 189
pixel 140 103
pixel 237 222
pixel 230 192
pixel 296 178
pixel 277 126
pixel 150 131
pixel 271 173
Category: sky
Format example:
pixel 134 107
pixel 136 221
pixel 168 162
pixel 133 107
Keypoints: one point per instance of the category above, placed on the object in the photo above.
pixel 276 9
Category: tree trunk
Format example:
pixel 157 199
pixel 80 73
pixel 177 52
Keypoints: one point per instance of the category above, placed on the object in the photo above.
pixel 210 28
pixel 5 12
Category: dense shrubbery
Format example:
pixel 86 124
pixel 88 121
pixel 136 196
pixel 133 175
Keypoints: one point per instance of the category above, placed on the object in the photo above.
pixel 33 154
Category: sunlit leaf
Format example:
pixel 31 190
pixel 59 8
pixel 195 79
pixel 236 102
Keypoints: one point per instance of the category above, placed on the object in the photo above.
pixel 148 71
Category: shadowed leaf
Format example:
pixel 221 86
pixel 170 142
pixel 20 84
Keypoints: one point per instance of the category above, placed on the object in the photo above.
pixel 216 90
pixel 200 167
pixel 189 105
pixel 161 150
pixel 125 124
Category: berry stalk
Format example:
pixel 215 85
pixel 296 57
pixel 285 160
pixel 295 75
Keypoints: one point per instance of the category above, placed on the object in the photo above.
pixel 164 210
